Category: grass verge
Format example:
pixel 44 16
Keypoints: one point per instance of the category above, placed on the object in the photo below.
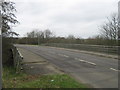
pixel 22 80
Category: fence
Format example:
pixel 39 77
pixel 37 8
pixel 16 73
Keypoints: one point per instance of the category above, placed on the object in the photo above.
pixel 95 48
pixel 18 58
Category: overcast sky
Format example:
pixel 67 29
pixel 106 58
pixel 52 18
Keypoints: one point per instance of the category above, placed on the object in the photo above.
pixel 78 17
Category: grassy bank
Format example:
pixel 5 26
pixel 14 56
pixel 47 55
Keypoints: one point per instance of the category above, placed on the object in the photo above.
pixel 14 80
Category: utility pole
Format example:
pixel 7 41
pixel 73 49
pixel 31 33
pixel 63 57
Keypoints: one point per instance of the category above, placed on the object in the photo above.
pixel 0 45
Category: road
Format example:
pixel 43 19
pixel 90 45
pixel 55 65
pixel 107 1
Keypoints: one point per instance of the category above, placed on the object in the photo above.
pixel 99 72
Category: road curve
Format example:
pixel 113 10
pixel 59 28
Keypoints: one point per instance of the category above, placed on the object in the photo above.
pixel 99 72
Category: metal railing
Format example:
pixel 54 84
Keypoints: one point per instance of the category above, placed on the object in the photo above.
pixel 18 58
pixel 95 48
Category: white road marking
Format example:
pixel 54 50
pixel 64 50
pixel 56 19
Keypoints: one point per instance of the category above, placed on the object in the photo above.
pixel 63 55
pixel 90 63
pixel 66 56
pixel 85 61
pixel 114 69
pixel 82 60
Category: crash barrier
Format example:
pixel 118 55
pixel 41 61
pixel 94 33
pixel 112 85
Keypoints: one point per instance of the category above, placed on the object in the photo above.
pixel 95 48
pixel 18 58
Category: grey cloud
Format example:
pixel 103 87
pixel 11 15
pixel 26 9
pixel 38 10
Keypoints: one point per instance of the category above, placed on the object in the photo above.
pixel 79 18
pixel 86 12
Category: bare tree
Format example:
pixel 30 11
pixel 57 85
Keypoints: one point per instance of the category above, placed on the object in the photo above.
pixel 40 34
pixel 109 30
pixel 47 34
pixel 71 36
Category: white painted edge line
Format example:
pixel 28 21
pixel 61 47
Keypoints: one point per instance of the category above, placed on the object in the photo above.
pixel 114 69
pixel 86 61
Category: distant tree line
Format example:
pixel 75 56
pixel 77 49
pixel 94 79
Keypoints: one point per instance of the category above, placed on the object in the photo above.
pixel 108 35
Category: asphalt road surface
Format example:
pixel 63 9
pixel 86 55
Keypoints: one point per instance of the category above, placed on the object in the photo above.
pixel 99 72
